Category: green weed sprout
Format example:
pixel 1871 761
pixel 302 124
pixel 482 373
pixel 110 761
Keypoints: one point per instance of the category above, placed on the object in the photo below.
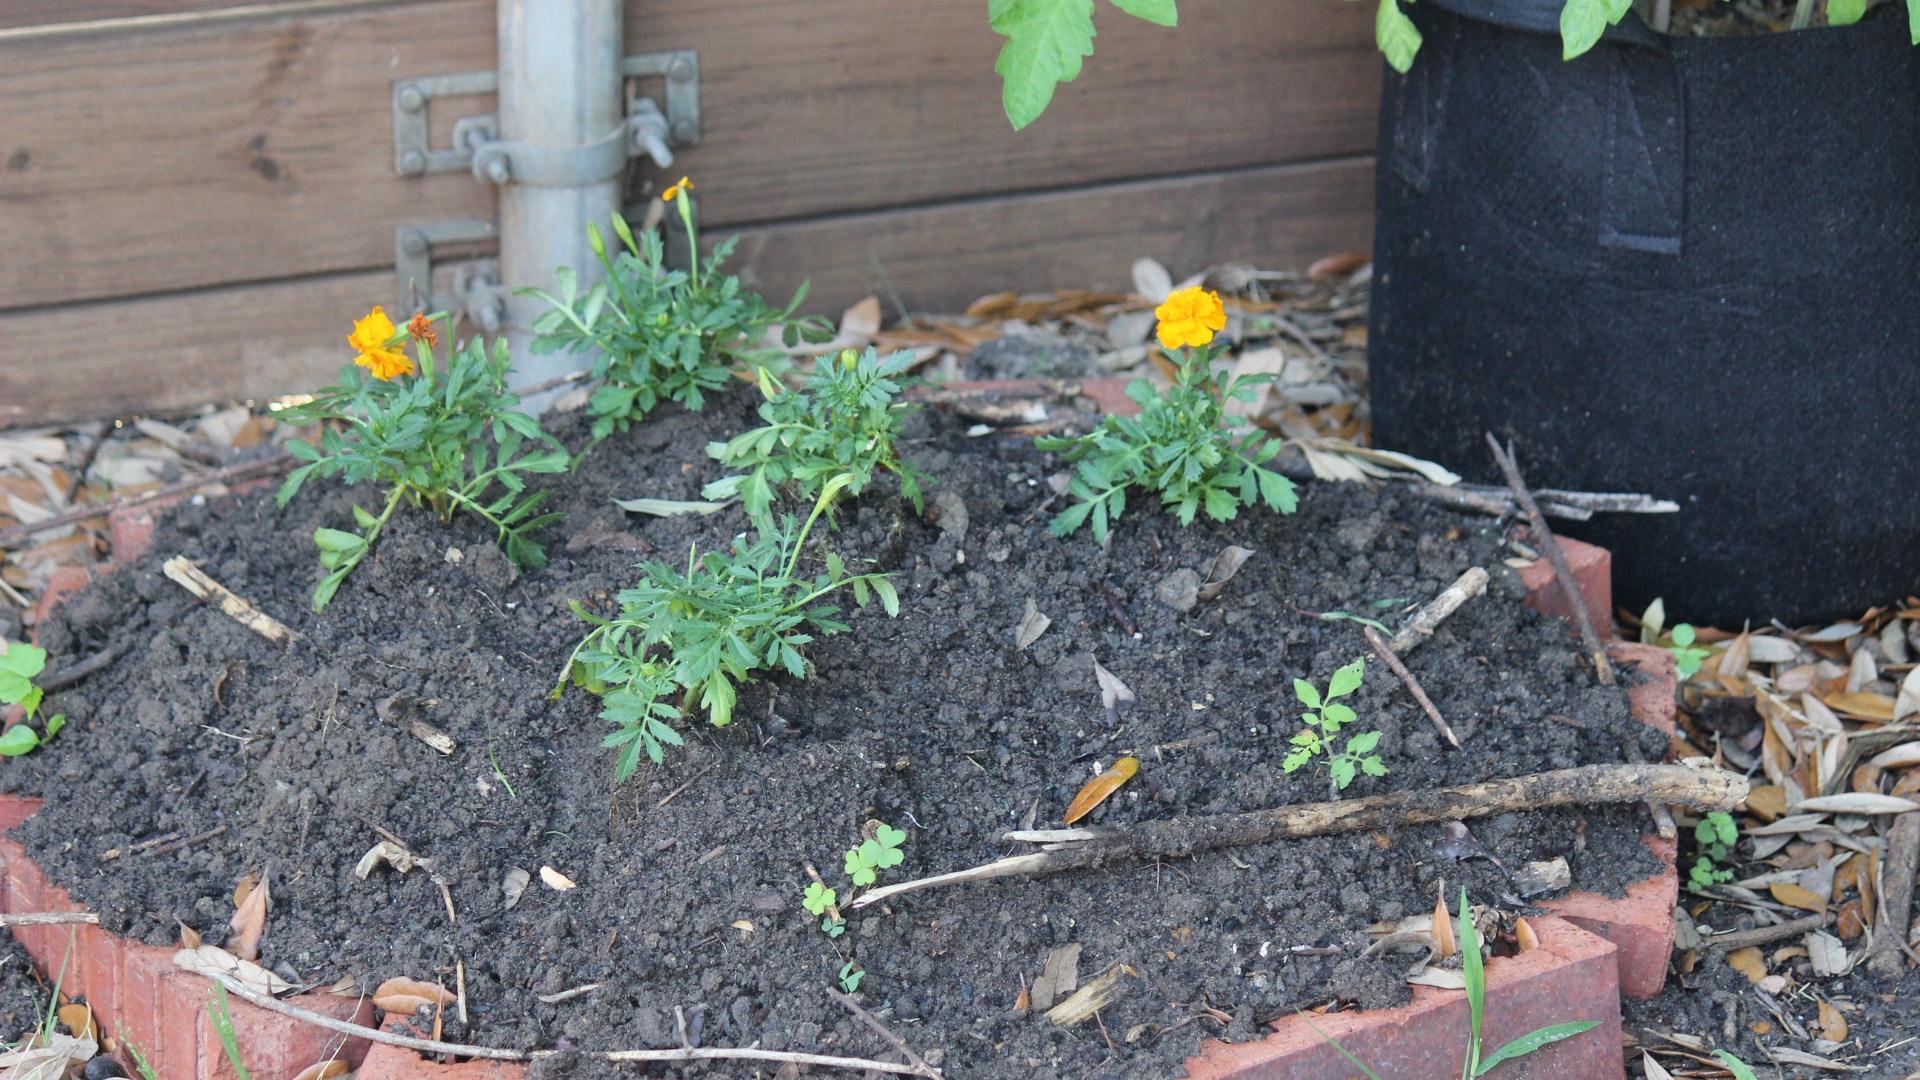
pixel 1473 972
pixel 440 439
pixel 1740 1069
pixel 1716 834
pixel 876 854
pixel 1318 739
pixel 850 977
pixel 658 334
pixel 1182 445
pixel 1686 656
pixel 19 663
pixel 727 615
pixel 222 1019
pixel 820 900
pixel 140 1063
pixel 845 421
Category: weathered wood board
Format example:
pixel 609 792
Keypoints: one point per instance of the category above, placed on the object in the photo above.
pixel 171 352
pixel 203 151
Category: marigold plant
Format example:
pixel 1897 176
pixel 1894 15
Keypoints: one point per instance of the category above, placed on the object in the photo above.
pixel 443 439
pixel 1183 445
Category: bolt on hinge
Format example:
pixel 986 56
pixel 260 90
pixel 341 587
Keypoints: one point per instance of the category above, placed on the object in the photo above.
pixel 476 284
pixel 649 130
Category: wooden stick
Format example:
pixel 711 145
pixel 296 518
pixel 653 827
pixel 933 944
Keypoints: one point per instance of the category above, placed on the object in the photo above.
pixel 1589 633
pixel 1078 849
pixel 1896 903
pixel 1761 935
pixel 165 849
pixel 48 918
pixel 431 1046
pixel 899 1044
pixel 195 581
pixel 1435 611
pixel 94 510
pixel 1385 652
pixel 86 460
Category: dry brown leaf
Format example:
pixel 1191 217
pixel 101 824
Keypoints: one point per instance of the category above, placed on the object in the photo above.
pixel 1760 1027
pixel 1032 625
pixel 324 1070
pixel 1733 662
pixel 1861 671
pixel 992 304
pixel 1023 1003
pixel 1797 680
pixel 1819 715
pixel 1748 962
pixel 1653 1069
pixel 213 960
pixel 243 887
pixel 1443 928
pixel 745 926
pixel 1100 787
pixel 1786 892
pixel 1908 785
pixel 189 937
pixel 1337 266
pixel 78 1020
pixel 1225 565
pixel 1855 802
pixel 249 921
pixel 386 851
pixel 1116 696
pixel 555 880
pixel 1866 778
pixel 1523 933
pixel 1768 802
pixel 1908 702
pixel 1898 757
pixel 1862 704
pixel 1059 978
pixel 1850 922
pixel 1832 1024
pixel 409 996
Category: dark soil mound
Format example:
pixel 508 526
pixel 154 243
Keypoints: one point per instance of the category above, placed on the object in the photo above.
pixel 933 722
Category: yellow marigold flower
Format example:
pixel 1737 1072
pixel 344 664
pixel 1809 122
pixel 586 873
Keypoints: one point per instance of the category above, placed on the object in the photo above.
pixel 369 338
pixel 1190 317
pixel 684 185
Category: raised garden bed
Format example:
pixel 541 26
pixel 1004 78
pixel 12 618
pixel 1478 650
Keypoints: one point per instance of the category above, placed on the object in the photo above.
pixel 934 723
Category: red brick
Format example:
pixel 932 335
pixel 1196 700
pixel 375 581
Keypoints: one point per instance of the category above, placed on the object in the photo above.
pixel 65 582
pixel 1570 977
pixel 386 1062
pixel 1592 570
pixel 1653 700
pixel 1641 924
pixel 132 527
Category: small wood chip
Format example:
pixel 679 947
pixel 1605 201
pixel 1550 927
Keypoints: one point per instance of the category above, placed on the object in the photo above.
pixel 434 737
pixel 1109 987
pixel 555 880
pixel 712 855
pixel 569 995
pixel 195 581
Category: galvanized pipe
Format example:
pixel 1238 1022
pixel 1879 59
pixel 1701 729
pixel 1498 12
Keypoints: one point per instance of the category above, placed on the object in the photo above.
pixel 560 87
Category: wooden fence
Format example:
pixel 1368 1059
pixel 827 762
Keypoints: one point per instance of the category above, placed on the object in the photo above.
pixel 195 199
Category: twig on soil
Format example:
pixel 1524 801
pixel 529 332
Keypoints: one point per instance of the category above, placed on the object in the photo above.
pixel 497 1053
pixel 1077 849
pixel 1663 820
pixel 189 841
pixel 1571 505
pixel 113 853
pixel 867 1018
pixel 568 995
pixel 86 461
pixel 195 581
pixel 48 918
pixel 1435 611
pixel 675 793
pixel 541 387
pixel 1896 904
pixel 93 510
pixel 1589 634
pixel 1385 652
pixel 68 676
pixel 1740 939
pixel 460 987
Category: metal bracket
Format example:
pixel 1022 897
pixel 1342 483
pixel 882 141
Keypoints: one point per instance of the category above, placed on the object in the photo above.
pixel 476 285
pixel 647 131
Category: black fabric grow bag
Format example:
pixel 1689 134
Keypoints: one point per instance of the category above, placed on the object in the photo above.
pixel 1681 266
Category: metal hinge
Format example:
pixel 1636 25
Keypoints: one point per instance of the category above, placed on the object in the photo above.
pixel 476 283
pixel 476 139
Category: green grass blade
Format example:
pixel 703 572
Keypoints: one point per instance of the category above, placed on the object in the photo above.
pixel 1344 1052
pixel 1527 1044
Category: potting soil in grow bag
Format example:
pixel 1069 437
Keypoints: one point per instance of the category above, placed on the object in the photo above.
pixel 1685 266
pixel 689 876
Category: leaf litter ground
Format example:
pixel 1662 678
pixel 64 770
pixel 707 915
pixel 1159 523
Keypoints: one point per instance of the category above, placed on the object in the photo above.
pixel 934 723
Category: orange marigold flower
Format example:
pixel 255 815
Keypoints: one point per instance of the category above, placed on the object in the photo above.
pixel 369 338
pixel 1190 317
pixel 421 329
pixel 684 185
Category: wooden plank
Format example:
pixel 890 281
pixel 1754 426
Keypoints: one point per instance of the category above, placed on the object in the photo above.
pixel 17 13
pixel 176 352
pixel 163 354
pixel 206 152
pixel 942 258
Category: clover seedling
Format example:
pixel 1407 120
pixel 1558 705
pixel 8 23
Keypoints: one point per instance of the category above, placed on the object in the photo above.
pixel 820 900
pixel 850 977
pixel 1686 657
pixel 876 854
pixel 1716 834
pixel 18 665
pixel 1358 757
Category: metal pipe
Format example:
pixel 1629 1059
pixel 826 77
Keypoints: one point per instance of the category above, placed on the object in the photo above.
pixel 560 87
